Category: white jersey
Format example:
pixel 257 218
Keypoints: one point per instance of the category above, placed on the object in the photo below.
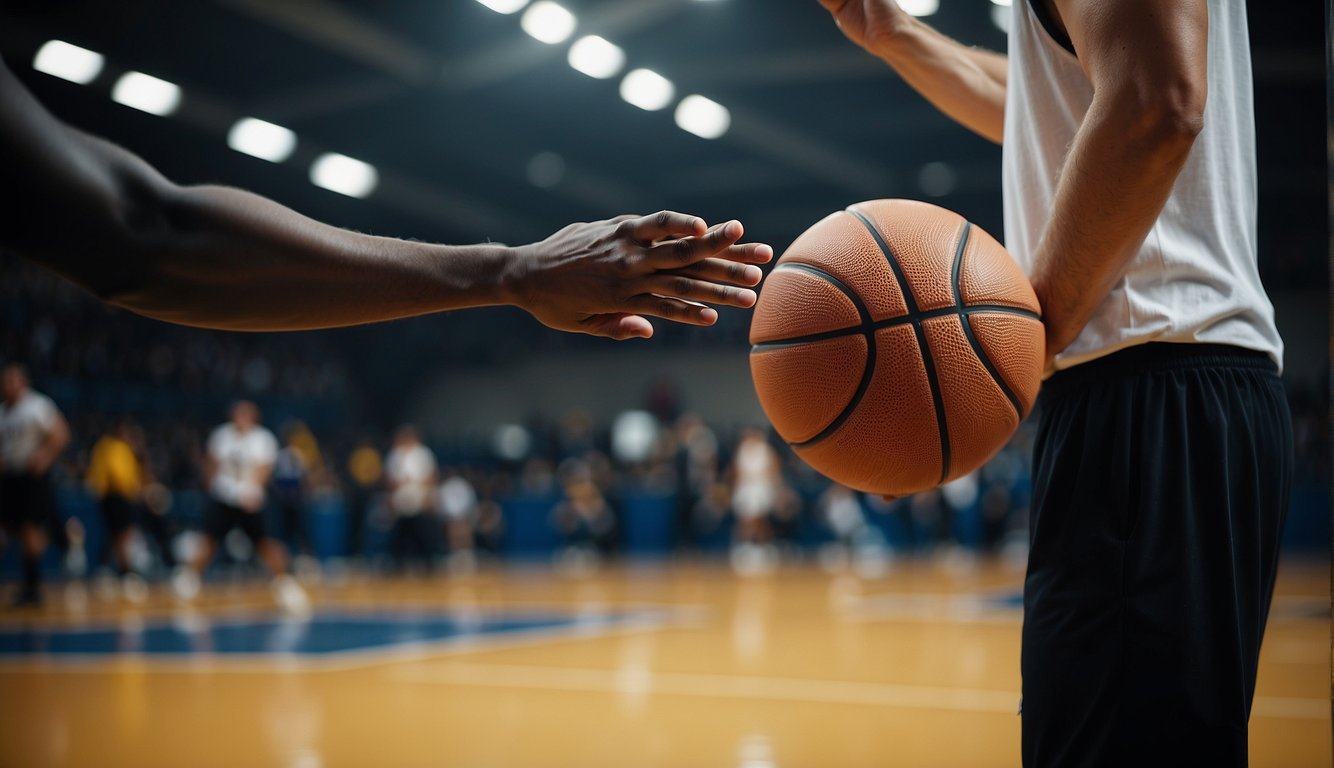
pixel 457 499
pixel 24 426
pixel 411 475
pixel 239 458
pixel 1194 279
pixel 756 492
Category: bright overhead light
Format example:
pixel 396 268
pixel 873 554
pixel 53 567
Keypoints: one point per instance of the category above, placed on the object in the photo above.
pixel 647 89
pixel 1001 17
pixel 548 22
pixel 261 139
pixel 596 57
pixel 1002 3
pixel 504 6
pixel 135 89
pixel 703 117
pixel 68 62
pixel 344 175
pixel 919 7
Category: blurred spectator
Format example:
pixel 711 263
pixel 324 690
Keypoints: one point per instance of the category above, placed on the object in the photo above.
pixel 756 487
pixel 583 518
pixel 457 504
pixel 410 472
pixel 297 461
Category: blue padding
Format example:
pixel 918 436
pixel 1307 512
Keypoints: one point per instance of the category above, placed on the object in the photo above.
pixel 649 520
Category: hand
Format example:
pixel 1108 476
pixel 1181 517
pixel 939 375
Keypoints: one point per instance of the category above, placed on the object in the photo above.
pixel 603 277
pixel 872 24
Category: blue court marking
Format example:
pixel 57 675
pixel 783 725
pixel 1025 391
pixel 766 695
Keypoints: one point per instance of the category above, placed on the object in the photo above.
pixel 322 635
pixel 1007 600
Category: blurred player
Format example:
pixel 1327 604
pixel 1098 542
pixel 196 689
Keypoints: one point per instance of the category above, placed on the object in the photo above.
pixel 365 472
pixel 756 485
pixel 32 436
pixel 584 519
pixel 116 478
pixel 410 473
pixel 237 466
pixel 291 477
pixel 222 258
pixel 456 499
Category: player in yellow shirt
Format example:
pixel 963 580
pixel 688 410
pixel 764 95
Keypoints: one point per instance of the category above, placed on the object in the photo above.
pixel 117 478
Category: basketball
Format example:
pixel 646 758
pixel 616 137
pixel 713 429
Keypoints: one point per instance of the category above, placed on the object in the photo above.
pixel 896 346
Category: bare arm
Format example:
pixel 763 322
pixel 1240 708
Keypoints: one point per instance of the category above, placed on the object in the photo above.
pixel 52 446
pixel 967 84
pixel 1147 62
pixel 223 258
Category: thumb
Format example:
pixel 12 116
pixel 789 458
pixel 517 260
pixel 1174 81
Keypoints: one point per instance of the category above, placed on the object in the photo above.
pixel 619 326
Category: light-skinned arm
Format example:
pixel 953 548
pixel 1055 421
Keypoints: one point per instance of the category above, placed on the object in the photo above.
pixel 222 258
pixel 967 84
pixel 1147 63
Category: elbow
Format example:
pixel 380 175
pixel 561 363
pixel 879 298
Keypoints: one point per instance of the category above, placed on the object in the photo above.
pixel 1164 115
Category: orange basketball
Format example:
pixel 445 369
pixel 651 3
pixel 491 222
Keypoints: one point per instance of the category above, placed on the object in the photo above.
pixel 896 346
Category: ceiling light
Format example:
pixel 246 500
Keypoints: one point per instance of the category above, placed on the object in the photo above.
pixel 703 117
pixel 548 22
pixel 261 139
pixel 596 57
pixel 344 175
pixel 504 6
pixel 69 62
pixel 135 89
pixel 1001 17
pixel 647 89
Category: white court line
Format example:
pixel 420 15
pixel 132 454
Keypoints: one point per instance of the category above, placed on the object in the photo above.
pixel 803 690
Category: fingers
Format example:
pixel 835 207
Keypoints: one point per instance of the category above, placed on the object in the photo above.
pixel 663 224
pixel 723 271
pixel 618 325
pixel 682 287
pixel 676 310
pixel 688 250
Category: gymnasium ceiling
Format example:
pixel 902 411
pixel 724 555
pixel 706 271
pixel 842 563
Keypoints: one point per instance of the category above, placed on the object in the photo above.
pixel 452 102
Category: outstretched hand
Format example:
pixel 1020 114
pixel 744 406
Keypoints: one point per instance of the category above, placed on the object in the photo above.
pixel 872 24
pixel 603 278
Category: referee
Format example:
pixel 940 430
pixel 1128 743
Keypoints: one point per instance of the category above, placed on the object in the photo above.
pixel 32 436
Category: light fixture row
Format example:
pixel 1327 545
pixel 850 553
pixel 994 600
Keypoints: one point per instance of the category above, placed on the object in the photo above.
pixel 249 135
pixel 597 57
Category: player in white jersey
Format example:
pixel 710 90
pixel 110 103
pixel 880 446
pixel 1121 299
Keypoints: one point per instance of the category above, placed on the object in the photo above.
pixel 32 436
pixel 238 463
pixel 410 472
pixel 1164 452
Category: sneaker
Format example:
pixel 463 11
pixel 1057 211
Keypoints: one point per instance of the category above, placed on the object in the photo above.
pixel 290 596
pixel 185 584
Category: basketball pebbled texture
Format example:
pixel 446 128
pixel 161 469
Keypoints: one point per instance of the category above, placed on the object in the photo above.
pixel 896 346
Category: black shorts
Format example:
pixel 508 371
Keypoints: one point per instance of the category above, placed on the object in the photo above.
pixel 222 518
pixel 1161 477
pixel 26 498
pixel 118 513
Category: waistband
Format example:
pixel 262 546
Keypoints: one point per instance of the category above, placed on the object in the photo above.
pixel 1159 356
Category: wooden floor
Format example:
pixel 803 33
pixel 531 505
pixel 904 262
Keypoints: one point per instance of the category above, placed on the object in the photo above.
pixel 650 666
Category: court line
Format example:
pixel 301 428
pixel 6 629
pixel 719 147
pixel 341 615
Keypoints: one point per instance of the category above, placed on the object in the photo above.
pixel 803 690
pixel 342 661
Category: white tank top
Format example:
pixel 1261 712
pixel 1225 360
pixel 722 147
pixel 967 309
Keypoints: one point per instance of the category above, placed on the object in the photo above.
pixel 1195 278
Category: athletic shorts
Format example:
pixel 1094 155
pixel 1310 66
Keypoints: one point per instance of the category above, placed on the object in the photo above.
pixel 26 498
pixel 222 518
pixel 118 513
pixel 1161 477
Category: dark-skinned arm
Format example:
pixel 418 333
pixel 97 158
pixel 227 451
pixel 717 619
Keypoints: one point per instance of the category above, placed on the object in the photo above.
pixel 222 258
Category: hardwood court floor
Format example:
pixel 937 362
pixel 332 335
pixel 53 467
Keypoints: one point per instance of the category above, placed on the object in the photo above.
pixel 648 666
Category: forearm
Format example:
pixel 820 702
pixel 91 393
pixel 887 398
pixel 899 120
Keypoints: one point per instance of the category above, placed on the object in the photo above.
pixel 967 84
pixel 224 258
pixel 1117 176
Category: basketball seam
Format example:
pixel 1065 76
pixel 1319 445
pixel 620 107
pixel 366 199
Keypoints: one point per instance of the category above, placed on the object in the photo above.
pixel 867 371
pixel 927 361
pixel 956 280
